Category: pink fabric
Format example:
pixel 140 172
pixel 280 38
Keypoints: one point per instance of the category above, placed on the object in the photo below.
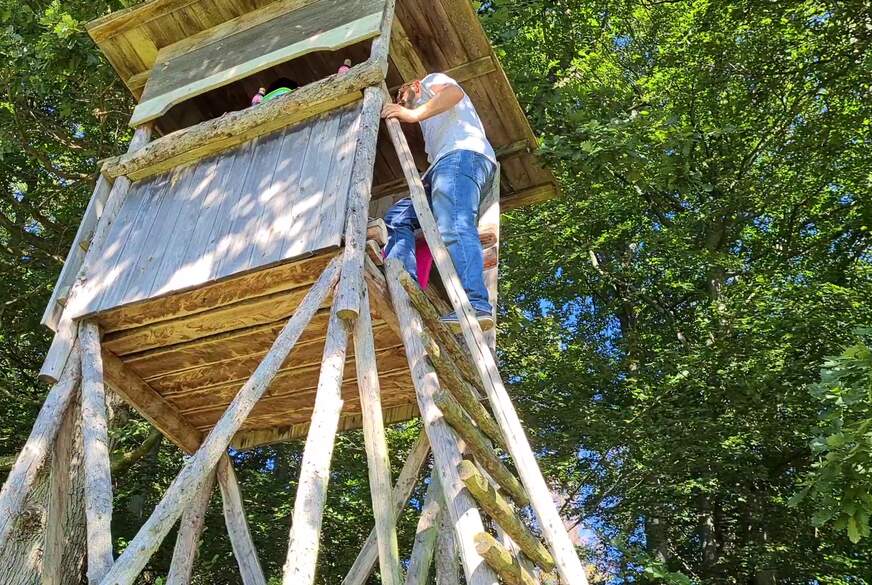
pixel 343 69
pixel 424 259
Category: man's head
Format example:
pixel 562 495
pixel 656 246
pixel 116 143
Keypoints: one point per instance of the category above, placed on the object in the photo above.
pixel 409 93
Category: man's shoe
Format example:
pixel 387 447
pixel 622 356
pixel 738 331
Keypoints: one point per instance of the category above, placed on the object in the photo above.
pixel 485 320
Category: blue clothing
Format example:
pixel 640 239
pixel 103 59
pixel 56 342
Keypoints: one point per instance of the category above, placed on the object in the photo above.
pixel 455 185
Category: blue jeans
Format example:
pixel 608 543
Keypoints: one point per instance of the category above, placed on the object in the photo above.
pixel 455 185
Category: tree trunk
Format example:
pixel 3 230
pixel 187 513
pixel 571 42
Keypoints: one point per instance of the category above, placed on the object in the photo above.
pixel 655 539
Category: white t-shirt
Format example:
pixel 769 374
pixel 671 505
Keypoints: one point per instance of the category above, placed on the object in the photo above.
pixel 458 128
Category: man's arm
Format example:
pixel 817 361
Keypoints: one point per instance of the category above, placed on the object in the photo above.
pixel 445 97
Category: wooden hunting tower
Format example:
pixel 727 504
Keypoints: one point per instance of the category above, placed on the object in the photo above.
pixel 222 267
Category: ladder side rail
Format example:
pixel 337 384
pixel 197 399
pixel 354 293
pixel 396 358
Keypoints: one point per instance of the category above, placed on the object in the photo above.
pixel 188 538
pixel 237 525
pixel 489 222
pixel 426 534
pixel 568 564
pixel 444 442
pixel 195 471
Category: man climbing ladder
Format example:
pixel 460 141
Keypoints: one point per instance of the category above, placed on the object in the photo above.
pixel 462 165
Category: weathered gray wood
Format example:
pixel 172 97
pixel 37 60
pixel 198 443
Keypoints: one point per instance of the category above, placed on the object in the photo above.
pixel 237 525
pixel 197 468
pixel 366 558
pixel 60 489
pixel 568 564
pixel 459 504
pixel 480 447
pixel 95 435
pixel 80 293
pixel 378 460
pixel 76 255
pixel 381 45
pixel 188 538
pixel 305 537
pixel 502 561
pixel 503 514
pixel 31 459
pixel 425 535
pixel 447 565
pixel 348 293
pixel 212 136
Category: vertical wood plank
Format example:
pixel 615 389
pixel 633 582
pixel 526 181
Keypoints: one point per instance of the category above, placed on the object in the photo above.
pixel 378 461
pixel 568 564
pixel 187 483
pixel 188 538
pixel 95 436
pixel 425 535
pixel 67 329
pixel 237 525
pixel 348 293
pixel 32 457
pixel 359 572
pixel 60 488
pixel 446 454
pixel 305 537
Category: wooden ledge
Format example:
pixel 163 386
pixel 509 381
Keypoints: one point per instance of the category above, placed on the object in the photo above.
pixel 207 138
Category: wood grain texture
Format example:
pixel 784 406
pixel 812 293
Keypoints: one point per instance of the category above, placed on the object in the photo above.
pixel 568 564
pixel 359 572
pixel 95 435
pixel 31 459
pixel 504 514
pixel 188 538
pixel 447 567
pixel 460 506
pixel 305 537
pixel 151 405
pixel 378 459
pixel 237 525
pixel 183 489
pixel 502 561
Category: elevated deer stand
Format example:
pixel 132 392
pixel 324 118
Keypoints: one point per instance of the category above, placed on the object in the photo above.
pixel 220 269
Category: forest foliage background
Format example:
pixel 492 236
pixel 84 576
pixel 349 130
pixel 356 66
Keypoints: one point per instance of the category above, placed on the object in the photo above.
pixel 685 331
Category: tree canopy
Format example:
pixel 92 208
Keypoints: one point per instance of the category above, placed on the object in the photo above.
pixel 664 324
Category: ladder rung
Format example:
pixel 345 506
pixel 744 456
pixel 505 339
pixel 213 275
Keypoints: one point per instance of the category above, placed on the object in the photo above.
pixel 503 514
pixel 502 561
pixel 481 449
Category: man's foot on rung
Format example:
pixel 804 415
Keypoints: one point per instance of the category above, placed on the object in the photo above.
pixel 485 320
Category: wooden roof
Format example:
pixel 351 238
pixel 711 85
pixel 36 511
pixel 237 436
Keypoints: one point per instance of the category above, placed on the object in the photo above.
pixel 428 36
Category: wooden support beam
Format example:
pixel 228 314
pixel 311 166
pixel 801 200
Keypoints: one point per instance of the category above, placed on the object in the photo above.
pixel 426 534
pixel 480 447
pixel 348 293
pixel 152 406
pixel 529 196
pixel 305 536
pixel 568 564
pixel 503 514
pixel 378 460
pixel 378 54
pixel 508 567
pixel 465 72
pixel 95 438
pixel 366 558
pixel 184 488
pixel 80 293
pixel 33 455
pixel 461 390
pixel 60 492
pixel 188 539
pixel 459 504
pixel 235 128
pixel 447 567
pixel 237 525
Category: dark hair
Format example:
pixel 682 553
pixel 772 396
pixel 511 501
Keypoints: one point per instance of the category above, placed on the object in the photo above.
pixel 282 82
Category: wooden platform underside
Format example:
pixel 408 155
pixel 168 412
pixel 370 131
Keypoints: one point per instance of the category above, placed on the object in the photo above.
pixel 197 348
